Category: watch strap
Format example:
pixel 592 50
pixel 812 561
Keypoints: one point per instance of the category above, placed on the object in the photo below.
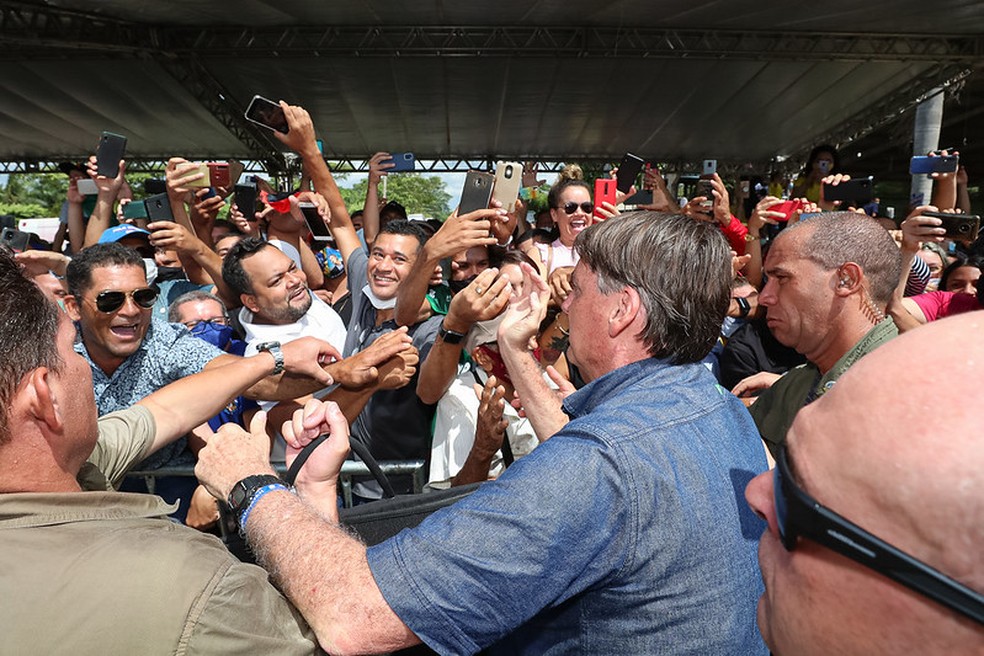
pixel 450 336
pixel 273 348
pixel 243 492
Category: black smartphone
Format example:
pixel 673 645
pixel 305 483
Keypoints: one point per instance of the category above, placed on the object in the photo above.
pixel 158 208
pixel 268 114
pixel 963 227
pixel 856 190
pixel 246 199
pixel 155 186
pixel 476 194
pixel 19 242
pixel 705 189
pixel 109 153
pixel 319 230
pixel 628 171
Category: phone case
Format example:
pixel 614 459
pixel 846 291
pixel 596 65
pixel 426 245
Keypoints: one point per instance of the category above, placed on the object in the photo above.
pixel 508 179
pixel 204 180
pixel 268 114
pixel 476 192
pixel 604 192
pixel 218 174
pixel 246 200
pixel 135 209
pixel 857 190
pixel 110 152
pixel 404 162
pixel 158 208
pixel 628 171
pixel 963 227
pixel 315 223
pixel 710 166
pixel 87 186
pixel 925 164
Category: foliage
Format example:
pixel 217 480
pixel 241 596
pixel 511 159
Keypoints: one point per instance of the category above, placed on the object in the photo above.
pixel 27 191
pixel 25 211
pixel 418 193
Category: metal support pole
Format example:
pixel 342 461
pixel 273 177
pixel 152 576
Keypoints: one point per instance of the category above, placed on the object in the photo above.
pixel 926 137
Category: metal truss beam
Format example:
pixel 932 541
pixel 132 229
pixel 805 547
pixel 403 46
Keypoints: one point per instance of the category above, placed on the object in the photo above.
pixel 888 108
pixel 43 31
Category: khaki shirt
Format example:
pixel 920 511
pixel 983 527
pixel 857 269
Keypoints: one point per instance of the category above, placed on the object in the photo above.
pixel 107 573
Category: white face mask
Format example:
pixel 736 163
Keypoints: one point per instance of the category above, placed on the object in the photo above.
pixel 151 268
pixel 377 302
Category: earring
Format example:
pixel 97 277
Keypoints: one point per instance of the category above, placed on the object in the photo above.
pixel 845 282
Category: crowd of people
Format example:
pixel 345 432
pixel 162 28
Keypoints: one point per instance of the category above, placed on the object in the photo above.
pixel 692 433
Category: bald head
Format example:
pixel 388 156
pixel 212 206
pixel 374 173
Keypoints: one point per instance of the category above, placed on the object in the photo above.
pixel 907 469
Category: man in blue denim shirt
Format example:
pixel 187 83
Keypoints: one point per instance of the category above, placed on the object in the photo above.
pixel 625 532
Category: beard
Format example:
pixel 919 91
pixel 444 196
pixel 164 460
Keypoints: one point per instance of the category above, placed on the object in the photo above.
pixel 290 313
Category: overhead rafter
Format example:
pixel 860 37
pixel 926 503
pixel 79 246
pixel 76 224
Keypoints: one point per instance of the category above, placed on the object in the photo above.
pixel 44 31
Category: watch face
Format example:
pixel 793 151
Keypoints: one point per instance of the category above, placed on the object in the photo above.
pixel 238 495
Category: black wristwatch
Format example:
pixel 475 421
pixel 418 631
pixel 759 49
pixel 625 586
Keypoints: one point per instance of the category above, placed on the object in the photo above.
pixel 449 336
pixel 243 492
pixel 273 348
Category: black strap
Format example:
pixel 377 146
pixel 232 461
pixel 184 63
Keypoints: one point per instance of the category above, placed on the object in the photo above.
pixel 360 449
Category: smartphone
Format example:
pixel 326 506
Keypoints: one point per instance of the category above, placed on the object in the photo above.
pixel 628 171
pixel 87 186
pixel 246 199
pixel 135 209
pixel 710 166
pixel 110 152
pixel 857 190
pixel 158 208
pixel 476 194
pixel 268 114
pixel 508 179
pixel 962 227
pixel 315 223
pixel 218 175
pixel 787 208
pixel 19 242
pixel 403 161
pixel 604 192
pixel 155 186
pixel 705 189
pixel 927 164
pixel 203 181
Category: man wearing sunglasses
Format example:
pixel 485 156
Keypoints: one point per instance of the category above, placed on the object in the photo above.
pixel 876 517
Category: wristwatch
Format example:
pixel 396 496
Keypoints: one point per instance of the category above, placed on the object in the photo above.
pixel 449 336
pixel 243 492
pixel 750 237
pixel 273 348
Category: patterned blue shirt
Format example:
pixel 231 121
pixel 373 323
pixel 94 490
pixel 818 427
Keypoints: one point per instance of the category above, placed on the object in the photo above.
pixel 168 353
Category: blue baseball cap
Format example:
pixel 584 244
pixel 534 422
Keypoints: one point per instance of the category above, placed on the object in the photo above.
pixel 117 233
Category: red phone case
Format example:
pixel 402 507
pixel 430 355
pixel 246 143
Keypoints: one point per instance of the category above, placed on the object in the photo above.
pixel 604 192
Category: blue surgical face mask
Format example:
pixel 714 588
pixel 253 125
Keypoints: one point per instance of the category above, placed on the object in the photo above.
pixel 215 334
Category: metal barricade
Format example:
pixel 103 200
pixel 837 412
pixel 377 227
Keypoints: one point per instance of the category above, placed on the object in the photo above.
pixel 350 469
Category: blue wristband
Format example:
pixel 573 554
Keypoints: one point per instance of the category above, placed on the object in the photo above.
pixel 262 492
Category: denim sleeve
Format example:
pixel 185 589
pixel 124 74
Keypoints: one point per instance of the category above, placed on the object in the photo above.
pixel 553 525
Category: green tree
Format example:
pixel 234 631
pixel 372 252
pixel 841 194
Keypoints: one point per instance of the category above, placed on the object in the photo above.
pixel 418 193
pixel 34 192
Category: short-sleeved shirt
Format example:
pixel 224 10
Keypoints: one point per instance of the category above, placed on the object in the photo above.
pixel 395 424
pixel 626 532
pixel 936 305
pixel 169 352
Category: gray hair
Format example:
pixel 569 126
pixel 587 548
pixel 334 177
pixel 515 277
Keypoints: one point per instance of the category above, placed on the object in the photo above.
pixel 681 268
pixel 174 310
pixel 842 237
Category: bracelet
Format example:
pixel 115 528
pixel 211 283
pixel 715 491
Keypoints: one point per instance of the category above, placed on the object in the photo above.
pixel 262 492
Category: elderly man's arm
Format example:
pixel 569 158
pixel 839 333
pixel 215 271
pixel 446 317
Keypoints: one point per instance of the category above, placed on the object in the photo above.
pixel 332 585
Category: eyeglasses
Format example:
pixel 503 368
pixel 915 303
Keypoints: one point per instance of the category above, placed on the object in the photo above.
pixel 218 321
pixel 799 515
pixel 111 301
pixel 570 207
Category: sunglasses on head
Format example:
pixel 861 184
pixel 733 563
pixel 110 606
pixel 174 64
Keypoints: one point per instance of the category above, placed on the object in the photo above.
pixel 111 301
pixel 570 207
pixel 800 515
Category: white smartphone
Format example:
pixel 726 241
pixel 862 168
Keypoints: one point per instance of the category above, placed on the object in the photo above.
pixel 710 166
pixel 508 178
pixel 87 187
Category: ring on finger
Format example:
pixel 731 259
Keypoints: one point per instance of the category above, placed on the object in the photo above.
pixel 480 290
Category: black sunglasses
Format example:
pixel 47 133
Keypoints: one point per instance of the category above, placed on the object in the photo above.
pixel 111 301
pixel 570 207
pixel 798 514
